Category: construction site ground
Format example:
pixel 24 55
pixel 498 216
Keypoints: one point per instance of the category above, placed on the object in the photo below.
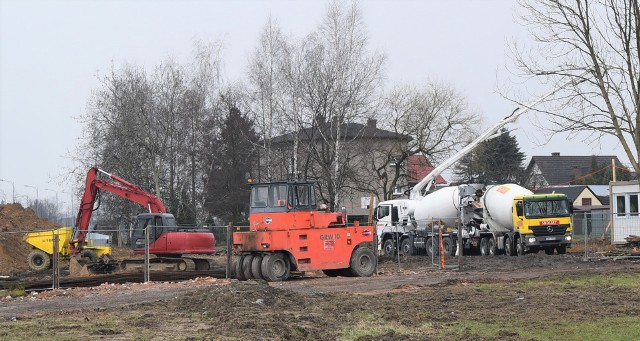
pixel 532 297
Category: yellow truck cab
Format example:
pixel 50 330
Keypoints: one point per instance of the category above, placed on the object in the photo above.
pixel 544 222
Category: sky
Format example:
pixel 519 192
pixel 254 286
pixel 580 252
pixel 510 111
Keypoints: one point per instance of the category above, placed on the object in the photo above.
pixel 51 52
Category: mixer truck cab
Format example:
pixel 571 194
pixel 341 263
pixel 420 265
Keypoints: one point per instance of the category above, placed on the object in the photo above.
pixel 543 222
pixel 516 221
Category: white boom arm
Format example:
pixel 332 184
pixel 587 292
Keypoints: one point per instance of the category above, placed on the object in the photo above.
pixel 422 187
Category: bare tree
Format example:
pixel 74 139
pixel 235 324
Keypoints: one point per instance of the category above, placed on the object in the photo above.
pixel 337 81
pixel 433 120
pixel 602 37
pixel 149 129
pixel 266 76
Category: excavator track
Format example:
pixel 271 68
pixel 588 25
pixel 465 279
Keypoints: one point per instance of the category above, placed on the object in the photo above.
pixel 167 264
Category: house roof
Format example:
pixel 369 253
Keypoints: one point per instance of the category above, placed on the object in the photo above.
pixel 560 170
pixel 572 192
pixel 602 192
pixel 419 167
pixel 347 131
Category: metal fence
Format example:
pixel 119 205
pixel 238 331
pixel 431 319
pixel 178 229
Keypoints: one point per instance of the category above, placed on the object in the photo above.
pixel 14 246
pixel 596 234
pixel 601 234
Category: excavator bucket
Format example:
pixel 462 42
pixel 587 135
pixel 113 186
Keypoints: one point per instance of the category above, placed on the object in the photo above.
pixel 78 267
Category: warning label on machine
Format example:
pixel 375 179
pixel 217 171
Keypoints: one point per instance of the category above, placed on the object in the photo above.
pixel 329 244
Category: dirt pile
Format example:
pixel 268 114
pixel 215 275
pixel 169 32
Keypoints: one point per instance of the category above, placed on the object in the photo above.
pixel 14 220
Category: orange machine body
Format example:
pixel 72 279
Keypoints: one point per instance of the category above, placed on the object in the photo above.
pixel 285 217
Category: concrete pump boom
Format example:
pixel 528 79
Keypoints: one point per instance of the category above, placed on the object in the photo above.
pixel 422 187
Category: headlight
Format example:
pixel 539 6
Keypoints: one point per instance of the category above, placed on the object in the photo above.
pixel 532 240
pixel 567 238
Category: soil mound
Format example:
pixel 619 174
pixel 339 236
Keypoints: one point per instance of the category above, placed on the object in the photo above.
pixel 252 309
pixel 236 295
pixel 14 220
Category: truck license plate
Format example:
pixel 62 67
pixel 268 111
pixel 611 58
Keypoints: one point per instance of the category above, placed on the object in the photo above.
pixel 550 238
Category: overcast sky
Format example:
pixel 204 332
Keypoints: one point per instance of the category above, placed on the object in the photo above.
pixel 51 51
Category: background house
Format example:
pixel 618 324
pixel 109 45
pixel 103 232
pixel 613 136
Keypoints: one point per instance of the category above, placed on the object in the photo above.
pixel 582 196
pixel 369 158
pixel 418 167
pixel 557 170
pixel 591 215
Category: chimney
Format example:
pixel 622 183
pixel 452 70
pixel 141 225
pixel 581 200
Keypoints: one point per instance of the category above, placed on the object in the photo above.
pixel 555 154
pixel 371 123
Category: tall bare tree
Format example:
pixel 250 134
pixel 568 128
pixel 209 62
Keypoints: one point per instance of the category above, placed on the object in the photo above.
pixel 149 129
pixel 269 90
pixel 602 37
pixel 338 80
pixel 437 120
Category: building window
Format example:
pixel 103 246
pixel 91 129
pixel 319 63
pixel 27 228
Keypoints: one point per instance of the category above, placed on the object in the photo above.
pixel 586 201
pixel 633 204
pixel 621 208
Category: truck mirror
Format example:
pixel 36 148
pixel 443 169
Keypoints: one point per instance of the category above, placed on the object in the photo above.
pixel 570 208
pixel 394 214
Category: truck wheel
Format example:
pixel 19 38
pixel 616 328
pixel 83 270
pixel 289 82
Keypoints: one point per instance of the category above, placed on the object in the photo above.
pixel 275 267
pixel 238 268
pixel 38 260
pixel 246 266
pixel 407 247
pixel 431 248
pixel 484 246
pixel 449 247
pixel 492 246
pixel 562 249
pixel 89 256
pixel 508 247
pixel 363 262
pixel 256 265
pixel 548 251
pixel 389 248
pixel 519 247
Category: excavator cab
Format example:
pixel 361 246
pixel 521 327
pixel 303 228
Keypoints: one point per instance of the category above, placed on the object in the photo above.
pixel 157 223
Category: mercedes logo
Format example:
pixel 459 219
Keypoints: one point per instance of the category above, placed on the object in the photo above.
pixel 550 229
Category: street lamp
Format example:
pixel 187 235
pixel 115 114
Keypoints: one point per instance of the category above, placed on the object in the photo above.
pixel 70 207
pixel 37 196
pixel 13 188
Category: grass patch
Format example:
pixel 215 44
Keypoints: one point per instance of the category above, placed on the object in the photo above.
pixel 630 281
pixel 611 328
pixel 14 290
pixel 375 326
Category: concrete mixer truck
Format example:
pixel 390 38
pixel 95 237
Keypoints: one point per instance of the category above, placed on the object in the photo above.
pixel 495 219
pixel 408 225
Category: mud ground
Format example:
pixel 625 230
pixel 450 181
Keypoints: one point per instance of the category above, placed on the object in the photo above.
pixel 413 301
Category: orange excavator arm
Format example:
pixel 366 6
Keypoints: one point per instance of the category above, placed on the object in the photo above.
pixel 115 185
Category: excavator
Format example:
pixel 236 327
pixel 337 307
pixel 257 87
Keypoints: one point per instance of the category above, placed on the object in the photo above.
pixel 167 241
